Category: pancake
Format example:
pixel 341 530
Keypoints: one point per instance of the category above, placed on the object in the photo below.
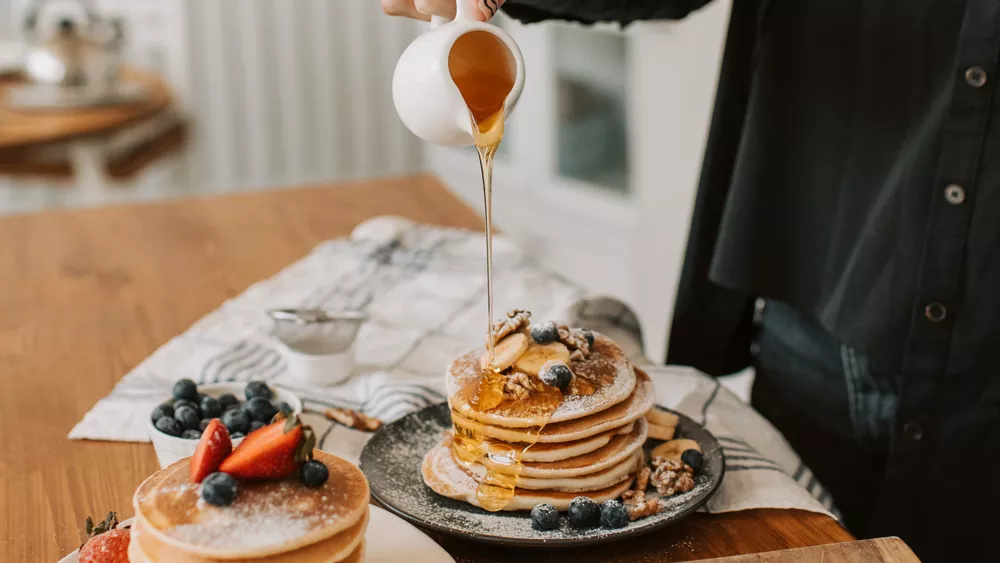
pixel 587 482
pixel 267 517
pixel 447 478
pixel 633 408
pixel 553 451
pixel 607 369
pixel 329 550
pixel 621 447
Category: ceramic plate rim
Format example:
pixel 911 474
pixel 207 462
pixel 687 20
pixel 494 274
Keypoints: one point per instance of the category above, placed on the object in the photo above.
pixel 557 542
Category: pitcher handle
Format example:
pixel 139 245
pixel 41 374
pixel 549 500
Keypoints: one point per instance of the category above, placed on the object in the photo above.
pixel 462 12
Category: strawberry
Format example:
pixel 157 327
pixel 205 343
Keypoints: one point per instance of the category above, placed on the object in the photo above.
pixel 214 447
pixel 272 452
pixel 107 543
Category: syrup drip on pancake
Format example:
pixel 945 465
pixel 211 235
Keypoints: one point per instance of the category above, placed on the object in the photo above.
pixel 502 460
pixel 484 392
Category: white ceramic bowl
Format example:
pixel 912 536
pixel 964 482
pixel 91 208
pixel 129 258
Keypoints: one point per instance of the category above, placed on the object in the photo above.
pixel 170 449
pixel 316 369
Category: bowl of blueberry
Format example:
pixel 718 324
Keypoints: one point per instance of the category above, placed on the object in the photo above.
pixel 175 426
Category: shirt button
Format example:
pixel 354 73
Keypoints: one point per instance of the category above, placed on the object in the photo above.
pixel 913 431
pixel 955 194
pixel 975 77
pixel 935 312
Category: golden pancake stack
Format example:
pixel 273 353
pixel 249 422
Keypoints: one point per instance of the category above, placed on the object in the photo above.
pixel 519 441
pixel 269 522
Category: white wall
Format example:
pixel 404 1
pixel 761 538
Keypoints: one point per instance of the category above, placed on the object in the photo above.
pixel 7 23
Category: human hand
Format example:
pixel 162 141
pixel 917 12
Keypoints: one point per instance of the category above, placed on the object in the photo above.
pixel 481 10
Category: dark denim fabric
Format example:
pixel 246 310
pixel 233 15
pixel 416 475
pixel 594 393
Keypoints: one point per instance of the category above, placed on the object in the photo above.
pixel 835 407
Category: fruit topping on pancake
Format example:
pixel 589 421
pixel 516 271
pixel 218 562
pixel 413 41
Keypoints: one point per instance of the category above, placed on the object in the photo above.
pixel 106 543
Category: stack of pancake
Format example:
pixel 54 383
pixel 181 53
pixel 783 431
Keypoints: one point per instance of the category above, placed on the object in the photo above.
pixel 590 445
pixel 270 521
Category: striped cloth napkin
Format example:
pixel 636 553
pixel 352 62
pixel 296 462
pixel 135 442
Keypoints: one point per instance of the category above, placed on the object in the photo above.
pixel 424 291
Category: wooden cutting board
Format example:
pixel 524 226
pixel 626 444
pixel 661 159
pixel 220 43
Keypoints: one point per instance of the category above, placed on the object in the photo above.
pixel 882 550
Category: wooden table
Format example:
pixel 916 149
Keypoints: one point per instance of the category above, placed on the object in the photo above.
pixel 86 295
pixel 66 143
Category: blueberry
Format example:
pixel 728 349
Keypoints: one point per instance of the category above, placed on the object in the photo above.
pixel 231 407
pixel 589 335
pixel 187 418
pixel 204 424
pixel 614 514
pixel 258 389
pixel 545 332
pixel 544 517
pixel 218 489
pixel 284 407
pixel 169 426
pixel 256 425
pixel 236 435
pixel 166 409
pixel 584 512
pixel 236 421
pixel 186 403
pixel 313 473
pixel 210 408
pixel 191 435
pixel 260 409
pixel 186 389
pixel 557 375
pixel 693 458
pixel 228 399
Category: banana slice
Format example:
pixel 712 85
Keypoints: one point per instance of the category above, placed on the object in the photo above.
pixel 506 352
pixel 531 362
pixel 658 432
pixel 661 417
pixel 674 448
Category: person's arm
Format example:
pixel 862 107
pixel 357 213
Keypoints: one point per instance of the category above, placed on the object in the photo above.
pixel 623 12
pixel 530 11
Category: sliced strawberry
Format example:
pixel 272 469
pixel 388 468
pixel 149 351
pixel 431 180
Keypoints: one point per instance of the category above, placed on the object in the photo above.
pixel 272 452
pixel 107 543
pixel 214 447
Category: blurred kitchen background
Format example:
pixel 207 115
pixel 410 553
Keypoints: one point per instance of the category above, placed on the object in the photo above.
pixel 596 174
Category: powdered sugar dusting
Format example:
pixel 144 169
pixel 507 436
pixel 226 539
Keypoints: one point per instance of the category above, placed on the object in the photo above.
pixel 255 531
pixel 266 515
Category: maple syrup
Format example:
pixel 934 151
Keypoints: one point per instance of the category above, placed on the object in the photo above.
pixel 484 70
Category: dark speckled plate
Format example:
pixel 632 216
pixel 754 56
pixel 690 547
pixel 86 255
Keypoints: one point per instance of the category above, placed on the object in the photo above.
pixel 392 460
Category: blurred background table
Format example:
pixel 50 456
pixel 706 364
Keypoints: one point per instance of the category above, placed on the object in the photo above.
pixel 96 146
pixel 118 282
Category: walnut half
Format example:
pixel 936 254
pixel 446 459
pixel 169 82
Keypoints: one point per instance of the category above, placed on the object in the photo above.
pixel 638 506
pixel 575 340
pixel 671 476
pixel 519 385
pixel 516 320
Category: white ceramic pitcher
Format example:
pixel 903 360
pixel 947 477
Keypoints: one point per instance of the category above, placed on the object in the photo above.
pixel 427 99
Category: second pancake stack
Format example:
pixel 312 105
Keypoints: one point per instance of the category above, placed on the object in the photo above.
pixel 270 521
pixel 524 437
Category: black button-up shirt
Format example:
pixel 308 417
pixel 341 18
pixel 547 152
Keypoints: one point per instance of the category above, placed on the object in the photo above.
pixel 853 171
